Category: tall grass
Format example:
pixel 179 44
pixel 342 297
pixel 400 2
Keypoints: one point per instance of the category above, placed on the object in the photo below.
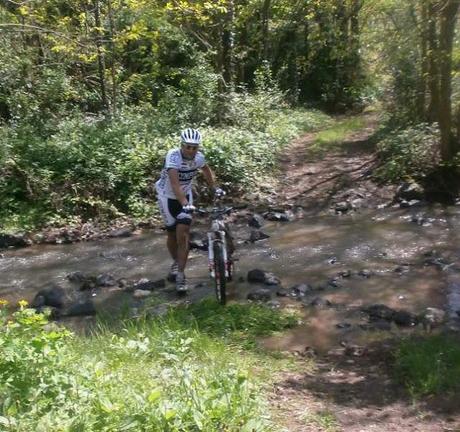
pixel 430 365
pixel 176 373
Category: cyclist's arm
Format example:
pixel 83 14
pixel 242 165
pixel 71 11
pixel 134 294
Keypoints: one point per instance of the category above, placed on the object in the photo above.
pixel 209 176
pixel 174 179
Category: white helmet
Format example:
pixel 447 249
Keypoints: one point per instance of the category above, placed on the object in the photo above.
pixel 190 136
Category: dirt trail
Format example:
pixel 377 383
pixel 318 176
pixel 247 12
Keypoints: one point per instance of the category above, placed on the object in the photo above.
pixel 350 389
pixel 313 181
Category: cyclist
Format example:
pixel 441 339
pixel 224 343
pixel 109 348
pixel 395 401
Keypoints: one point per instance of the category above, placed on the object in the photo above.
pixel 175 200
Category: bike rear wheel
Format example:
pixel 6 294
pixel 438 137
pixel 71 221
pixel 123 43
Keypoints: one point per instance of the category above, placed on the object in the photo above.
pixel 219 269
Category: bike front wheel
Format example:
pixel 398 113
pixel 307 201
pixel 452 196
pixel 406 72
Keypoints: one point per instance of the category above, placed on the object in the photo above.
pixel 219 269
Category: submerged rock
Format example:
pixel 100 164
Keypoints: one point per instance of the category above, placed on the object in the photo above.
pixel 261 276
pixel 262 294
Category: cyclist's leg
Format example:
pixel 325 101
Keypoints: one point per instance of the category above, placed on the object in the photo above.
pixel 169 209
pixel 183 222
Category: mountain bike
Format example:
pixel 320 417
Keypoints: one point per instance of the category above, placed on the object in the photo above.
pixel 220 248
pixel 220 251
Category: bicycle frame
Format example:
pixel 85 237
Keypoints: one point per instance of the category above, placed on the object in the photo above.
pixel 217 234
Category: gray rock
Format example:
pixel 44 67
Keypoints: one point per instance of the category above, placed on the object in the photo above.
pixel 82 308
pixel 121 232
pixel 140 294
pixel 148 285
pixel 320 302
pixel 256 221
pixel 260 276
pixel 261 294
pixel 378 312
pixel 51 296
pixel 257 235
pixel 105 280
pixel 410 191
pixel 277 216
pixel 13 240
pixel 404 318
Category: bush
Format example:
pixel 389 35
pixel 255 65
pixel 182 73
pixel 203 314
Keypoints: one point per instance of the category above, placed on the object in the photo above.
pixel 91 166
pixel 411 152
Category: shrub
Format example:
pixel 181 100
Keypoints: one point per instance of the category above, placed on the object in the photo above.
pixel 411 152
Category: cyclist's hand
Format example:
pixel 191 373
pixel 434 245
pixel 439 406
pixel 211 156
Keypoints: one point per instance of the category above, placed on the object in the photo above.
pixel 218 192
pixel 189 208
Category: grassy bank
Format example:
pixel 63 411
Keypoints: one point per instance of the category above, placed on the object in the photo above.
pixel 194 369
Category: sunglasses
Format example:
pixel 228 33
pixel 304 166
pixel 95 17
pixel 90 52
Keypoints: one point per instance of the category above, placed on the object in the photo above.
pixel 190 147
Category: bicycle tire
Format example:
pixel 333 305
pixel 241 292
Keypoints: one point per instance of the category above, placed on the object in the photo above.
pixel 219 269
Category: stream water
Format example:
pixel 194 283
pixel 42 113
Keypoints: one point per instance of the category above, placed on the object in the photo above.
pixel 404 258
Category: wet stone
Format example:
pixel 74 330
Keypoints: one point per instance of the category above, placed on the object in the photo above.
pixel 121 232
pixel 300 290
pixel 148 285
pixel 378 312
pixel 342 207
pixel 105 280
pixel 51 296
pixel 76 276
pixel 320 302
pixel 82 308
pixel 365 273
pixel 261 294
pixel 256 221
pixel 343 325
pixel 277 216
pixel 404 318
pixel 282 292
pixel 257 235
pixel 379 325
pixel 260 276
pixel 140 294
pixel 334 283
pixel 13 240
pixel 344 274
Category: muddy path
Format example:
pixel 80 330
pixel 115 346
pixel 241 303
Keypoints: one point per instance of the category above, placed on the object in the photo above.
pixel 349 388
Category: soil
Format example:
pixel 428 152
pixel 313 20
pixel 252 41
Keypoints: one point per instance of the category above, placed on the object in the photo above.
pixel 349 390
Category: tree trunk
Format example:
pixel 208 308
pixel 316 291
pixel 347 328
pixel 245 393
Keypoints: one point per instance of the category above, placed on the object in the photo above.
pixel 112 60
pixel 422 91
pixel 265 25
pixel 227 46
pixel 100 56
pixel 433 73
pixel 448 17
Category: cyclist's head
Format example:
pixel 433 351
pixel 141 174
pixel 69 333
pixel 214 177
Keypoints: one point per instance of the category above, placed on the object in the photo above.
pixel 190 137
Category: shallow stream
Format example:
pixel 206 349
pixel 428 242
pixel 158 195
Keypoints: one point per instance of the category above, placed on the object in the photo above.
pixel 404 258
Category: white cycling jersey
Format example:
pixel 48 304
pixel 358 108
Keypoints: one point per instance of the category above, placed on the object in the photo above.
pixel 187 169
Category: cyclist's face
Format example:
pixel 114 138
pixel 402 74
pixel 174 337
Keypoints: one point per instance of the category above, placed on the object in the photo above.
pixel 189 150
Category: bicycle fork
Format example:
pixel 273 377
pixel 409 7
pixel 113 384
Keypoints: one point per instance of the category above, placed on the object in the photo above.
pixel 211 239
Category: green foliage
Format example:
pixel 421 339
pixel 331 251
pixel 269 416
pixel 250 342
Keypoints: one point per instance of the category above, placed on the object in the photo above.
pixel 430 365
pixel 164 374
pixel 32 365
pixel 411 152
pixel 239 322
pixel 94 166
